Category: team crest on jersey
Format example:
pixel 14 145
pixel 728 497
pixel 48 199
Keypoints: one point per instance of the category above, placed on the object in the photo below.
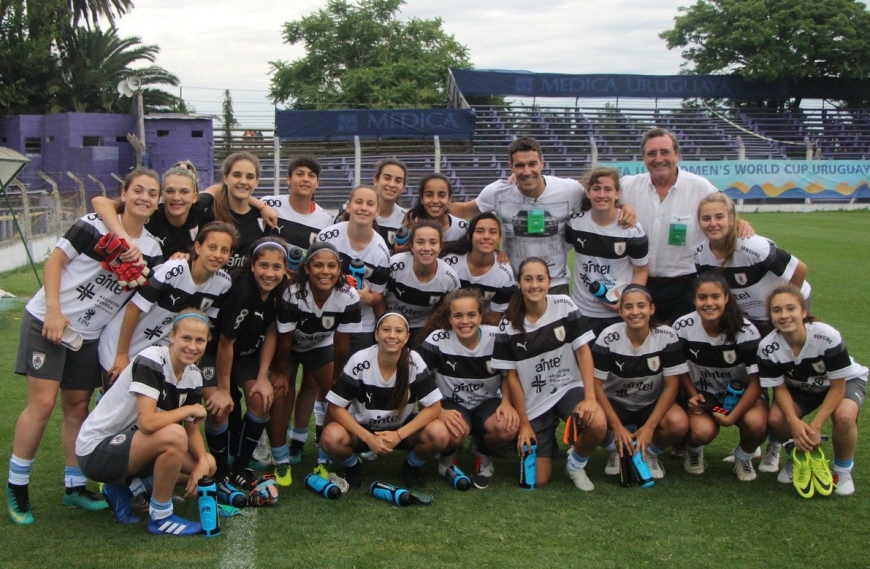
pixel 193 232
pixel 206 304
pixel 433 300
pixel 208 373
pixel 328 322
pixel 619 247
pixel 654 363
pixel 312 237
pixel 37 360
pixel 740 278
pixel 730 356
pixel 819 366
pixel 118 439
pixel 559 331
pixel 488 295
pixel 391 237
pixel 489 366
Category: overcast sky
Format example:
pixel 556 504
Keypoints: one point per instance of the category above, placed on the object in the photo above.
pixel 220 44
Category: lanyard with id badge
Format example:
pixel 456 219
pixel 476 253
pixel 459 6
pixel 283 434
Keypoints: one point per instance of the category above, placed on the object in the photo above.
pixel 677 232
pixel 535 221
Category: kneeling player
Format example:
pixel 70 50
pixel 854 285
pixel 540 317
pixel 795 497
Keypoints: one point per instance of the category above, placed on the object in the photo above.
pixel 145 431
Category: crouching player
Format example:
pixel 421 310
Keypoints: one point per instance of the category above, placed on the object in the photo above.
pixel 144 433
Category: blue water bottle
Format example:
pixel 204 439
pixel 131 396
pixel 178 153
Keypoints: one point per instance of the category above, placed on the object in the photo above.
pixel 457 479
pixel 403 235
pixel 527 467
pixel 390 494
pixel 206 490
pixel 733 392
pixel 294 258
pixel 357 270
pixel 599 291
pixel 322 486
pixel 644 478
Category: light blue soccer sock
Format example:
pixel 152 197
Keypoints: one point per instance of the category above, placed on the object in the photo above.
pixel 609 443
pixel 281 454
pixel 696 449
pixel 141 485
pixel 74 477
pixel 159 510
pixel 843 466
pixel 414 460
pixel 19 470
pixel 350 461
pixel 742 455
pixel 575 461
pixel 651 447
pixel 322 457
pixel 319 412
pixel 300 435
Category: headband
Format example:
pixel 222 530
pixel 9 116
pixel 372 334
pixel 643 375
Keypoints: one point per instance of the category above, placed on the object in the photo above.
pixel 633 287
pixel 381 319
pixel 320 247
pixel 274 245
pixel 193 315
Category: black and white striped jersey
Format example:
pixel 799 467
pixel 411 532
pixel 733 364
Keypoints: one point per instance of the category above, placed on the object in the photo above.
pixel 180 239
pixel 635 376
pixel 170 290
pixel 464 376
pixel 366 394
pixel 89 295
pixel 296 228
pixel 544 355
pixel 315 326
pixel 606 254
pixel 713 363
pixel 251 227
pixel 824 357
pixel 457 230
pixel 387 226
pixel 496 285
pixel 410 297
pixel 245 316
pixel 149 374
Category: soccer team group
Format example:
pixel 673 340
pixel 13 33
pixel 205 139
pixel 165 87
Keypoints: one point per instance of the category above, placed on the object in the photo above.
pixel 417 330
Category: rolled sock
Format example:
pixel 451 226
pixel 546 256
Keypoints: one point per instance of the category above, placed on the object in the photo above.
pixel 742 455
pixel 350 461
pixel 159 510
pixel 300 435
pixel 73 477
pixel 654 449
pixel 281 454
pixel 575 461
pixel 696 449
pixel 141 485
pixel 609 443
pixel 843 465
pixel 19 470
pixel 414 460
pixel 319 412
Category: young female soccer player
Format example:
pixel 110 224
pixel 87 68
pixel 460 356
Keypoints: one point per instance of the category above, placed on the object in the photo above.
pixel 371 406
pixel 637 368
pixel 317 314
pixel 241 355
pixel 605 251
pixel 418 278
pixel 389 180
pixel 476 264
pixel 175 285
pixel 475 399
pixel 357 239
pixel 79 296
pixel 299 218
pixel 808 367
pixel 433 202
pixel 145 431
pixel 720 346
pixel 543 346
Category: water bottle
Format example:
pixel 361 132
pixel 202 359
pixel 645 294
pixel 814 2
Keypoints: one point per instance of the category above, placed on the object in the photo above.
pixel 389 493
pixel 627 472
pixel 294 258
pixel 322 486
pixel 644 478
pixel 231 495
pixel 206 490
pixel 403 234
pixel 607 295
pixel 527 467
pixel 358 272
pixel 733 392
pixel 457 479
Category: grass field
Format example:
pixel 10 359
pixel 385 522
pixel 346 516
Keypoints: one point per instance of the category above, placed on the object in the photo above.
pixel 684 521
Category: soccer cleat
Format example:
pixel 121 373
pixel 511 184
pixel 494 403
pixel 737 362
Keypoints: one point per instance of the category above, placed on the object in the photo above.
pixel 353 475
pixel 413 476
pixel 612 468
pixel 756 454
pixel 296 450
pixel 656 470
pixel 421 499
pixel 785 475
pixel 694 462
pixel 770 459
pixel 173 525
pixel 802 473
pixel 244 479
pixel 18 504
pixel 321 471
pixel 844 485
pixel 81 497
pixel 744 470
pixel 483 471
pixel 821 473
pixel 368 456
pixel 445 462
pixel 230 495
pixel 579 478
pixel 119 499
pixel 283 476
pixel 263 452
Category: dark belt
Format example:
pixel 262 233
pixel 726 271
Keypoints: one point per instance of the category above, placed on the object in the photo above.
pixel 670 280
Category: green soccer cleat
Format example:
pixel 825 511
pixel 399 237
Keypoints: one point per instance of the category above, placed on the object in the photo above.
pixel 18 505
pixel 823 481
pixel 283 475
pixel 81 497
pixel 802 473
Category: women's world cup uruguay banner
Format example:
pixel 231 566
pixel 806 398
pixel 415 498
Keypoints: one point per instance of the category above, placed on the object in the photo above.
pixel 772 179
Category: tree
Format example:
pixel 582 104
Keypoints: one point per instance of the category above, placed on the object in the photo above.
pixel 229 120
pixel 774 39
pixel 362 55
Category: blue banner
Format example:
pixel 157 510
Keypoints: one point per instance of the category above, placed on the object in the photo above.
pixel 402 123
pixel 771 179
pixel 527 84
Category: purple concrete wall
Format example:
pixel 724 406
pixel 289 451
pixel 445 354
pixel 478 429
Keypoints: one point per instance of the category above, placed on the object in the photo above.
pixel 170 139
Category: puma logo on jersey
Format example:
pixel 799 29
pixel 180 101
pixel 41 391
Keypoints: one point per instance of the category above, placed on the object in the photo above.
pixel 582 242
pixel 695 352
pixel 452 365
pixel 620 364
pixel 174 299
pixel 302 321
pixel 260 314
pixel 523 345
pixel 160 240
pixel 369 396
pixel 399 292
